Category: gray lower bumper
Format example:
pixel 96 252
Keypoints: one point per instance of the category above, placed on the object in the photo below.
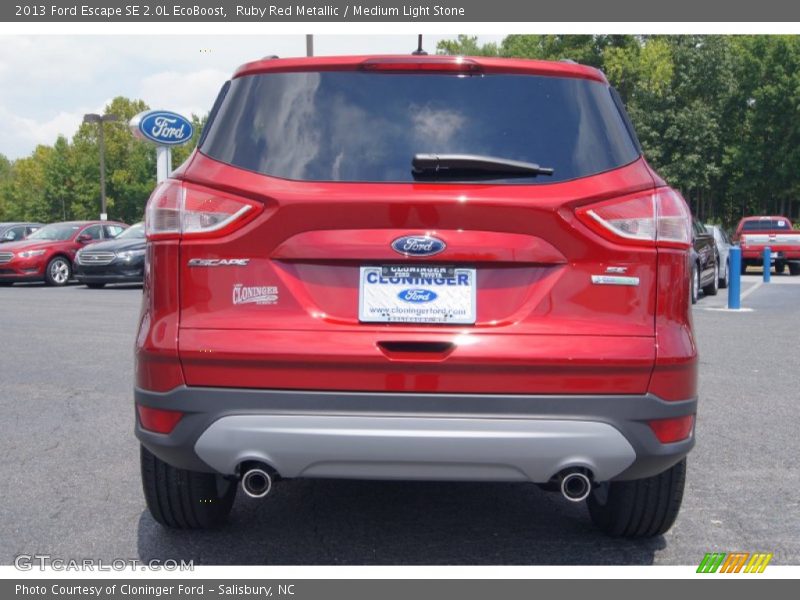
pixel 369 447
pixel 415 436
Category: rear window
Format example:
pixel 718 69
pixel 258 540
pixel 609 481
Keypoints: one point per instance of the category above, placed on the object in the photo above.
pixel 765 225
pixel 356 126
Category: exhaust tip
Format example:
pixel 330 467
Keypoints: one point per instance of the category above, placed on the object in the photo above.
pixel 256 483
pixel 576 486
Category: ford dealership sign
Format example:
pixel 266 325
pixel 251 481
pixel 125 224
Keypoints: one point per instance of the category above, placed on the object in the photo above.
pixel 162 127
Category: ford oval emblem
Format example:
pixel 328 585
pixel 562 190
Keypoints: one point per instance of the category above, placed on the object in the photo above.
pixel 162 127
pixel 417 296
pixel 418 245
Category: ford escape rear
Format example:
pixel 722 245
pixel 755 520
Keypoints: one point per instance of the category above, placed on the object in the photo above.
pixel 417 268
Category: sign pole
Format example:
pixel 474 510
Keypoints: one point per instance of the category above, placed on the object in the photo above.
pixel 163 163
pixel 102 144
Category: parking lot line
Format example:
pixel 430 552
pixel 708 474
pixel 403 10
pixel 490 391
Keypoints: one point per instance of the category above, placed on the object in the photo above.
pixel 752 289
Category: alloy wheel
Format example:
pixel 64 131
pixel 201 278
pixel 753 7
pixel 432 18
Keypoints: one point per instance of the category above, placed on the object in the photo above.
pixel 59 271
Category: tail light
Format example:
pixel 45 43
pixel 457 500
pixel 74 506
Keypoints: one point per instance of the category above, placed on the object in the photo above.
pixel 158 419
pixel 438 64
pixel 183 210
pixel 673 430
pixel 659 218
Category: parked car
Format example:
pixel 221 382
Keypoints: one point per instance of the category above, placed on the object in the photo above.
pixel 14 232
pixel 756 233
pixel 704 261
pixel 368 271
pixel 120 260
pixel 724 243
pixel 47 254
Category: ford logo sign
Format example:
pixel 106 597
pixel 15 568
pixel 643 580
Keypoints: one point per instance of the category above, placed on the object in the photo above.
pixel 417 296
pixel 162 127
pixel 418 245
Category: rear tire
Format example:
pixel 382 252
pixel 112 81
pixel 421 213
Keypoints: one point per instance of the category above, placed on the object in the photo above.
pixel 58 271
pixel 640 508
pixel 712 288
pixel 744 268
pixel 780 267
pixel 182 499
pixel 794 268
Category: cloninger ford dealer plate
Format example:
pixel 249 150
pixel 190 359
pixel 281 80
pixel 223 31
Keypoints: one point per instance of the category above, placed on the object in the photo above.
pixel 417 294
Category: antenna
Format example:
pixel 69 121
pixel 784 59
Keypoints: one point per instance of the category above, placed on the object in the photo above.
pixel 419 51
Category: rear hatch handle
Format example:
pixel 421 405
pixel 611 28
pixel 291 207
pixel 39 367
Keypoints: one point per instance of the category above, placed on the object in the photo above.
pixel 416 350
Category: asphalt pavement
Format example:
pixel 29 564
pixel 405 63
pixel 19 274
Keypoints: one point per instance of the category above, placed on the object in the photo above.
pixel 71 487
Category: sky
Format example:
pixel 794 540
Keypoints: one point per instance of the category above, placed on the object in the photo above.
pixel 48 82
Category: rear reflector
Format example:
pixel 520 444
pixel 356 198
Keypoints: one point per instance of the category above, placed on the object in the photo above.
pixel 177 209
pixel 656 218
pixel 672 430
pixel 157 419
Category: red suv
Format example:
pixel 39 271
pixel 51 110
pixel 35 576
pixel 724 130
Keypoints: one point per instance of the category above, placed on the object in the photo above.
pixel 47 254
pixel 432 268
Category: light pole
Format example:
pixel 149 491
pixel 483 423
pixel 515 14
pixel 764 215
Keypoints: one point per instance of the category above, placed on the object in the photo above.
pixel 101 140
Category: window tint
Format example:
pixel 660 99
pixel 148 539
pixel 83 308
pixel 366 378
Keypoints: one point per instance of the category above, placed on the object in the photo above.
pixel 94 232
pixel 112 231
pixel 765 225
pixel 55 232
pixel 356 126
pixel 133 232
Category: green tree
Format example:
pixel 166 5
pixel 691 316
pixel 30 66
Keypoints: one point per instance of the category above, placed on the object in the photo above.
pixel 584 49
pixel 5 180
pixel 58 181
pixel 677 114
pixel 466 45
pixel 26 192
pixel 763 158
pixel 130 166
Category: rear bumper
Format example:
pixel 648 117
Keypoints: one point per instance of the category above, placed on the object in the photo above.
pixel 778 254
pixel 415 436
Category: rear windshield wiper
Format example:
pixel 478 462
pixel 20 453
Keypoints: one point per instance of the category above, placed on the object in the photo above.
pixel 483 167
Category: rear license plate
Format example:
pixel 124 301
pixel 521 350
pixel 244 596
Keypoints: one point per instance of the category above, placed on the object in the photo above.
pixel 417 294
